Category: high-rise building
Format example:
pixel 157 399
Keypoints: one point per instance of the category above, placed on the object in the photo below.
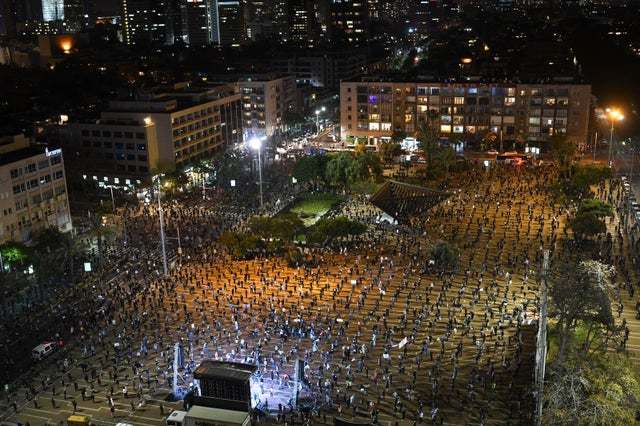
pixel 265 99
pixel 349 21
pixel 167 129
pixel 280 19
pixel 322 68
pixel 145 21
pixel 370 111
pixel 74 12
pixel 33 189
pixel 8 17
pixel 196 22
pixel 259 19
pixel 231 29
pixel 303 24
pixel 53 10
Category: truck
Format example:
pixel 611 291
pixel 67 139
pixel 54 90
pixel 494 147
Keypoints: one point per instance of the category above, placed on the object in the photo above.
pixel 207 416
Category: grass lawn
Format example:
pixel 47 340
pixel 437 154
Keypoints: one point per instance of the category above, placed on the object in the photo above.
pixel 312 207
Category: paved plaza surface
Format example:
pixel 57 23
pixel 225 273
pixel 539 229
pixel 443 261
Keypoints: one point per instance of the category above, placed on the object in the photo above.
pixel 382 334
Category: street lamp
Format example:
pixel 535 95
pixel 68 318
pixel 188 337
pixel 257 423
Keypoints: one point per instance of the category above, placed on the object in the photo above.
pixel 256 144
pixel 612 114
pixel 160 214
pixel 318 111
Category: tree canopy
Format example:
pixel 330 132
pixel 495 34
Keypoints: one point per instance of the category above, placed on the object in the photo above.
pixel 311 168
pixel 579 292
pixel 588 220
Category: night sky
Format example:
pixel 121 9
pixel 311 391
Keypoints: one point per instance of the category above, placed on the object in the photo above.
pixel 106 7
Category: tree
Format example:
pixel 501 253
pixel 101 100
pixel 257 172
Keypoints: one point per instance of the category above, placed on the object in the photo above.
pixel 364 166
pixel 388 151
pixel 488 140
pixel 586 226
pixel 174 179
pixel 578 186
pixel 53 253
pixel 398 136
pixel 360 148
pixel 14 254
pixel 239 245
pixel 579 292
pixel 445 256
pixel 327 229
pixel 283 227
pixel 602 389
pixel 310 168
pixel 428 140
pixel 563 150
pixel 336 170
pixel 444 157
pixel 588 220
pixel 293 119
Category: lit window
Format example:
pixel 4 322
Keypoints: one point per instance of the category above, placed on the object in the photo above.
pixel 374 126
pixel 445 128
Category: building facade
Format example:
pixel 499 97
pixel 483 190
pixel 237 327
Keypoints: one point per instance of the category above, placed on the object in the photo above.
pixel 371 111
pixel 145 21
pixel 265 101
pixel 196 22
pixel 349 21
pixel 322 69
pixel 33 190
pixel 230 26
pixel 136 138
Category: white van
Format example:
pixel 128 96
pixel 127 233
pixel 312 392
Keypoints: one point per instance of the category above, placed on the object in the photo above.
pixel 176 418
pixel 43 350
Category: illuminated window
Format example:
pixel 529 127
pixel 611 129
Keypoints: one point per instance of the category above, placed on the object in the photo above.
pixel 510 101
pixel 385 127
pixel 458 129
pixel 408 118
pixel 458 100
pixel 445 128
pixel 374 126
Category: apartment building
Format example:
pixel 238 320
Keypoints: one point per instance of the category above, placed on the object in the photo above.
pixel 170 129
pixel 322 69
pixel 265 99
pixel 33 189
pixel 371 111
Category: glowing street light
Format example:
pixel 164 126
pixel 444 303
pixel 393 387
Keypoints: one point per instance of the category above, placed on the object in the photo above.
pixel 256 144
pixel 318 111
pixel 165 268
pixel 613 115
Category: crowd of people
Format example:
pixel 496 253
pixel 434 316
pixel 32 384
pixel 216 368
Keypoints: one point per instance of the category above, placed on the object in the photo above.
pixel 382 334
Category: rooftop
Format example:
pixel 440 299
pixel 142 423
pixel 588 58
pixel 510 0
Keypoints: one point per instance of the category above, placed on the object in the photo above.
pixel 20 154
pixel 230 370
pixel 399 78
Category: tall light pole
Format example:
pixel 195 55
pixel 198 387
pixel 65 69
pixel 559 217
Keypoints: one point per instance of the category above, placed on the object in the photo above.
pixel 113 201
pixel 613 115
pixel 256 144
pixel 165 269
pixel 318 111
